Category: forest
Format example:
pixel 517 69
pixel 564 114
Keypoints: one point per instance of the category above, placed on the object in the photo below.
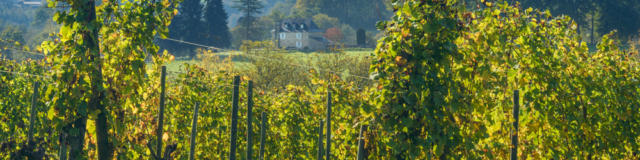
pixel 398 79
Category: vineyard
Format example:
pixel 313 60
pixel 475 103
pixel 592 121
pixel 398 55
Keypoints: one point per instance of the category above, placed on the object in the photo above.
pixel 447 81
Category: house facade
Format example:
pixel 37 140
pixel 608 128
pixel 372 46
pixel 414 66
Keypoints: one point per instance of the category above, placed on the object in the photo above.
pixel 299 34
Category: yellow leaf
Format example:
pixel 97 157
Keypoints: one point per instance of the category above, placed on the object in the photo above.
pixel 165 136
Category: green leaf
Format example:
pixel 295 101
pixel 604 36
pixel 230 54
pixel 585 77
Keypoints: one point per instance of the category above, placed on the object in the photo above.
pixel 430 27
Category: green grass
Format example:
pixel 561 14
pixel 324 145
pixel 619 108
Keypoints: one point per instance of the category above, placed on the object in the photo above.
pixel 178 65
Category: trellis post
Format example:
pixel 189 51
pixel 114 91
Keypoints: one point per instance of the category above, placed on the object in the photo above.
pixel 361 151
pixel 249 118
pixel 262 134
pixel 320 141
pixel 34 101
pixel 234 117
pixel 161 112
pixel 514 134
pixel 328 148
pixel 194 128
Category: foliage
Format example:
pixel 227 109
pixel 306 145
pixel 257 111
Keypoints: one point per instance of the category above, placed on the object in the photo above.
pixel 269 73
pixel 567 91
pixel 293 114
pixel 15 103
pixel 97 62
pixel 356 13
pixel 213 94
pixel 187 20
pixel 200 23
pixel 361 37
pixel 216 25
pixel 325 22
pixel 421 106
pixel 333 34
pixel 13 33
pixel 273 68
pixel 621 15
pixel 12 37
pixel 269 5
pixel 447 78
pixel 304 9
pixel 261 30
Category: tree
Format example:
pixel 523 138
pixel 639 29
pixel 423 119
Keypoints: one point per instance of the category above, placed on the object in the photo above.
pixel 284 7
pixel 593 16
pixel 621 15
pixel 216 24
pixel 325 22
pixel 334 34
pixel 260 30
pixel 348 34
pixel 251 9
pixel 305 9
pixel 187 26
pixel 356 13
pixel 361 37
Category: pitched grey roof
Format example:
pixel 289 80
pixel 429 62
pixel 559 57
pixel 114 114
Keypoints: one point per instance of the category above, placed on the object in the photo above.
pixel 298 25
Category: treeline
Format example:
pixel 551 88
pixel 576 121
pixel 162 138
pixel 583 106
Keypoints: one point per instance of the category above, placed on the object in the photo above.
pixel 597 17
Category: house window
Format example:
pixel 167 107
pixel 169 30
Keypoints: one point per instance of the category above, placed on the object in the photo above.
pixel 299 35
pixel 298 44
pixel 283 35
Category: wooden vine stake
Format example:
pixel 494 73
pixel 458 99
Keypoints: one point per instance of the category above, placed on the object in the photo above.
pixel 328 124
pixel 161 113
pixel 320 141
pixel 249 118
pixel 234 117
pixel 262 134
pixel 34 100
pixel 194 126
pixel 514 135
pixel 361 151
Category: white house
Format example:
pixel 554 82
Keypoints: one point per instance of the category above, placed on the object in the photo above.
pixel 300 34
